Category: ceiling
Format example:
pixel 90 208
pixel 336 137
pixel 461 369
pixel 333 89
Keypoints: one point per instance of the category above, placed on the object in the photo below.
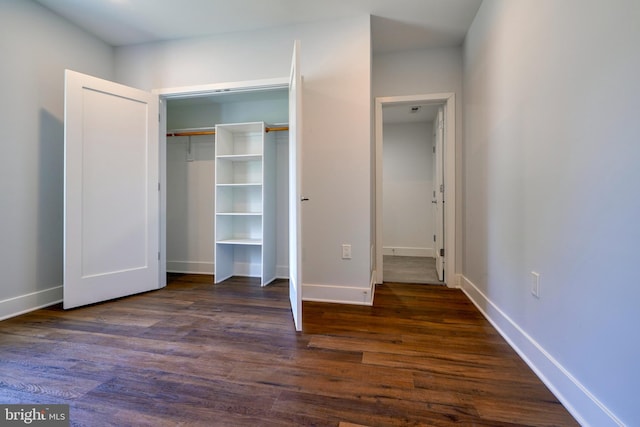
pixel 396 24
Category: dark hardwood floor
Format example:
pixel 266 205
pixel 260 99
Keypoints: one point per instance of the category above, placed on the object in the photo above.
pixel 227 355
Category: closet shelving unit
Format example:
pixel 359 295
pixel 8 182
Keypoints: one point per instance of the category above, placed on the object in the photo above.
pixel 245 183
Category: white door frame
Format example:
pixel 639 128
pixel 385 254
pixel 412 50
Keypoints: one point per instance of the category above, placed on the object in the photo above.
pixel 194 92
pixel 448 100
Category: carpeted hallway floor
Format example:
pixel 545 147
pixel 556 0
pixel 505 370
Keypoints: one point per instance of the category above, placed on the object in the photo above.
pixel 407 269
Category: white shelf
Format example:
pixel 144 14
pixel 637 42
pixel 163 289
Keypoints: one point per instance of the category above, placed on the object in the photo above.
pixel 240 157
pixel 245 202
pixel 240 139
pixel 246 184
pixel 239 198
pixel 252 242
pixel 232 170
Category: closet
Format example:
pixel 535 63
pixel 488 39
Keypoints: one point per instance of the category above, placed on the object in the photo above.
pixel 227 185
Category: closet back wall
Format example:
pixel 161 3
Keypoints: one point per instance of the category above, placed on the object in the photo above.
pixel 36 46
pixel 190 183
pixel 407 189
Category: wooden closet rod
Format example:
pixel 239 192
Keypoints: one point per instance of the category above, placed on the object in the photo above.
pixel 213 132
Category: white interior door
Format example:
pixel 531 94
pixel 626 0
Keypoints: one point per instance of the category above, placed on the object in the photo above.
pixel 295 195
pixel 438 191
pixel 111 190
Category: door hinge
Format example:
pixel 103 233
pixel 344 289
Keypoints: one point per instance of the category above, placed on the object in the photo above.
pixel 158 255
pixel 442 188
pixel 434 237
pixel 158 186
pixel 442 252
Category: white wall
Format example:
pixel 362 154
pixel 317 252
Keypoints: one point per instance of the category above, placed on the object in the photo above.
pixel 190 204
pixel 36 46
pixel 336 62
pixel 552 100
pixel 419 72
pixel 407 189
pixel 413 72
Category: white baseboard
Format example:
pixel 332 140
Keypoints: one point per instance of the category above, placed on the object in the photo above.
pixel 578 400
pixel 16 306
pixel 337 294
pixel 190 267
pixel 405 251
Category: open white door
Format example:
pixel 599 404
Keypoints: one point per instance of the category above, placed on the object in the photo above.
pixel 438 192
pixel 111 190
pixel 295 196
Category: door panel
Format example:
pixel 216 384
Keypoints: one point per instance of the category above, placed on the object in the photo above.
pixel 111 190
pixel 439 194
pixel 295 195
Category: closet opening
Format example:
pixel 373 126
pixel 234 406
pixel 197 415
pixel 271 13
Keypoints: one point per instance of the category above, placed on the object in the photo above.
pixel 238 214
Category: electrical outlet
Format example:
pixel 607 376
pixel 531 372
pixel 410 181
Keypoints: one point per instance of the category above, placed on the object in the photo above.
pixel 535 284
pixel 346 251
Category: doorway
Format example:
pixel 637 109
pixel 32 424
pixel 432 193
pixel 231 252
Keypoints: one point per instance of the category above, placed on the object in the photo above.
pixel 429 105
pixel 412 174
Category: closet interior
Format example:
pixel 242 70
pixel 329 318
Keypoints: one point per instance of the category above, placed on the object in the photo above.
pixel 227 185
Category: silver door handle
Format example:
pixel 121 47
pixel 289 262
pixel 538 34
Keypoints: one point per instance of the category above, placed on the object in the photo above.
pixel 434 201
pixel 304 199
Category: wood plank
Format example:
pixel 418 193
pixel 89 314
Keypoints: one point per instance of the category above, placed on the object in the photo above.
pixel 195 353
